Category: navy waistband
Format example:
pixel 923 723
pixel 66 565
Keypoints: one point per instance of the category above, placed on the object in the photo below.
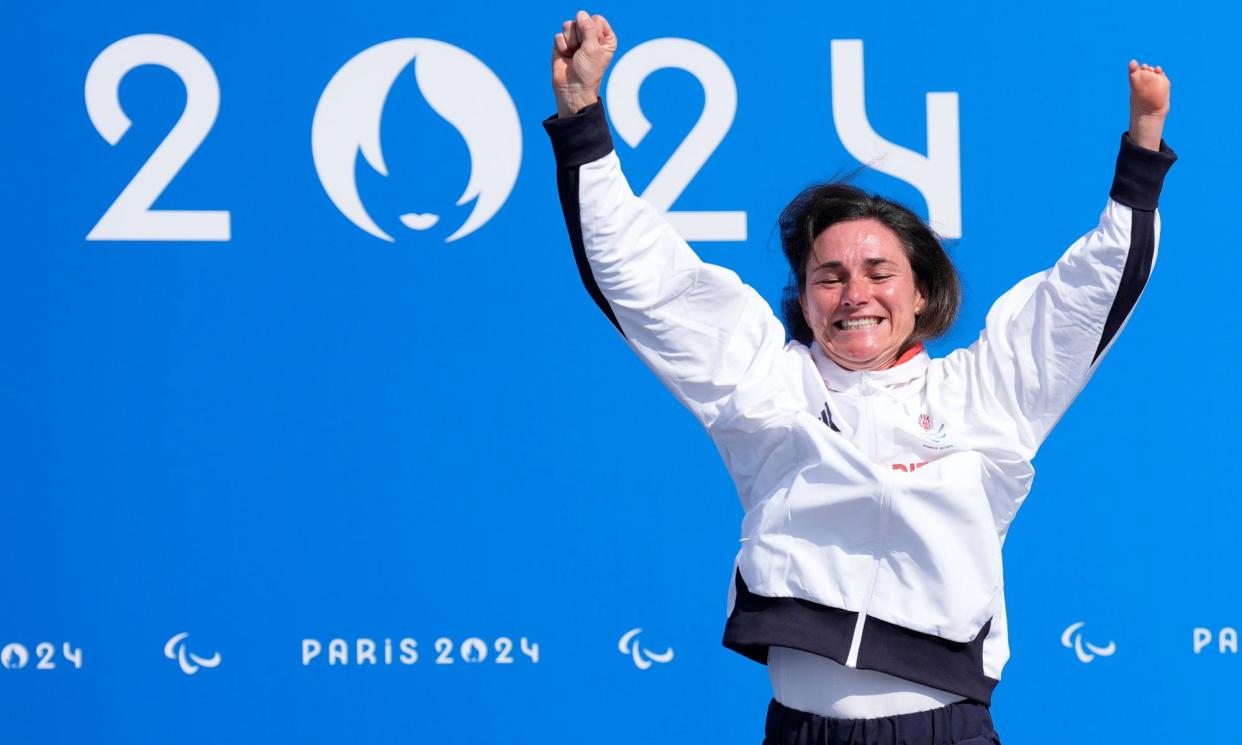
pixel 759 622
pixel 960 723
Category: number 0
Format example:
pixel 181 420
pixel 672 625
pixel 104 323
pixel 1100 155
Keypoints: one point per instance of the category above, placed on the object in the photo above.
pixel 130 218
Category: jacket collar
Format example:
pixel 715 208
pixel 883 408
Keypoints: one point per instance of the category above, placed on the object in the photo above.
pixel 911 366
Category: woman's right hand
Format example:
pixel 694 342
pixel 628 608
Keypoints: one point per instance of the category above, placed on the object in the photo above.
pixel 581 53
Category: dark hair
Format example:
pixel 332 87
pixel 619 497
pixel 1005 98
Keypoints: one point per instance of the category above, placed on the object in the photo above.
pixel 818 207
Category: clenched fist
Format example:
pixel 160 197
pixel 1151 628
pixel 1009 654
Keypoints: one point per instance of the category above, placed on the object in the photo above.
pixel 1149 104
pixel 581 53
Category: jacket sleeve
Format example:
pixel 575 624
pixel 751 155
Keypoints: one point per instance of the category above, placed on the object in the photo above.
pixel 697 326
pixel 1044 338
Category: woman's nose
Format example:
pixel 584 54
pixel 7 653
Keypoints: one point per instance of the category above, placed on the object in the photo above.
pixel 855 293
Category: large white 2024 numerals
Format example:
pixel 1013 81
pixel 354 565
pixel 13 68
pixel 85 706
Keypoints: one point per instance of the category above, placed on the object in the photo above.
pixel 936 175
pixel 130 218
pixel 719 107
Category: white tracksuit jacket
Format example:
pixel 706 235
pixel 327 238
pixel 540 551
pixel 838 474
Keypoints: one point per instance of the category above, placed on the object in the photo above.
pixel 876 502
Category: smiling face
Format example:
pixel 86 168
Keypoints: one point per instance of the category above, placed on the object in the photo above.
pixel 861 297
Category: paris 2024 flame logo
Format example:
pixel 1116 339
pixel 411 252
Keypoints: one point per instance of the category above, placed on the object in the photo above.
pixel 457 86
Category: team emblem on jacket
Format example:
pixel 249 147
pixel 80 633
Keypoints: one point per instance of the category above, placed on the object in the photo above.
pixel 933 435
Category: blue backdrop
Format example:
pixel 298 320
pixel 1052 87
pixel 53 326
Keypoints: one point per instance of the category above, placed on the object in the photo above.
pixel 219 456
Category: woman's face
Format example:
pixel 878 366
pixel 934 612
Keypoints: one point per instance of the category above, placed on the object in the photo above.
pixel 861 296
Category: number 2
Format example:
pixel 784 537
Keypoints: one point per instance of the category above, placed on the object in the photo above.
pixel 445 648
pixel 504 645
pixel 719 107
pixel 130 218
pixel 45 651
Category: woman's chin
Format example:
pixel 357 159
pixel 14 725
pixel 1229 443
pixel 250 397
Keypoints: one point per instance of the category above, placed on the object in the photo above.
pixel 858 361
pixel 860 356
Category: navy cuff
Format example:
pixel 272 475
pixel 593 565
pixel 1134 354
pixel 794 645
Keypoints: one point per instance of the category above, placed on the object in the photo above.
pixel 1140 174
pixel 581 138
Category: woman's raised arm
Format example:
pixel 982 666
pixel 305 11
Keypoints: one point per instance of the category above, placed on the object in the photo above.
pixel 696 325
pixel 1045 337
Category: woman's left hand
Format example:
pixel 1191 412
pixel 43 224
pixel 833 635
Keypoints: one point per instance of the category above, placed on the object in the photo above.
pixel 1149 104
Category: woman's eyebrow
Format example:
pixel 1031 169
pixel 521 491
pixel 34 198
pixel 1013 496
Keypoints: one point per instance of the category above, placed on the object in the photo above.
pixel 875 261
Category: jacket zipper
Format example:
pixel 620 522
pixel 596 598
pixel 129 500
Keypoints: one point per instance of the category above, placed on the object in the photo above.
pixel 886 485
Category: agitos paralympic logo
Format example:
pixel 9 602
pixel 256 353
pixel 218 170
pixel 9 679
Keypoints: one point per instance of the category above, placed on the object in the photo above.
pixel 190 663
pixel 1071 638
pixel 642 657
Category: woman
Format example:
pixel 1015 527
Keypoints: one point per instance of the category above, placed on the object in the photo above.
pixel 878 483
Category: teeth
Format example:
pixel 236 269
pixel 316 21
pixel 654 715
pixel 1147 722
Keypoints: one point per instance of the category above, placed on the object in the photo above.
pixel 858 323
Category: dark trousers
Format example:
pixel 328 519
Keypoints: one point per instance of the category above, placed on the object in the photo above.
pixel 961 723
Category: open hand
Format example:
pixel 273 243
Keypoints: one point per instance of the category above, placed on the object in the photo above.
pixel 581 53
pixel 1149 103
